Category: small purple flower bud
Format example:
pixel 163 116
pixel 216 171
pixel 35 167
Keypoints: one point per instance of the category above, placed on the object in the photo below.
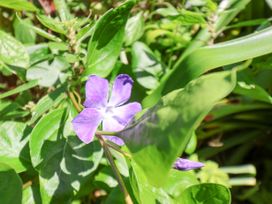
pixel 185 164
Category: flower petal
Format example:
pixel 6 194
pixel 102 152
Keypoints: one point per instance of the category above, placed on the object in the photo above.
pixel 121 90
pixel 97 90
pixel 185 164
pixel 111 124
pixel 121 117
pixel 124 114
pixel 86 123
pixel 116 140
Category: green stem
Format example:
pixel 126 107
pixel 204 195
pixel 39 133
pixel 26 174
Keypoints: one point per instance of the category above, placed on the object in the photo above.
pixel 115 169
pixel 112 146
pixel 73 99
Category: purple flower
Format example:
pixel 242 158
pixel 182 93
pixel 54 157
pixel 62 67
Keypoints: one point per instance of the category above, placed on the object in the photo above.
pixel 105 108
pixel 185 164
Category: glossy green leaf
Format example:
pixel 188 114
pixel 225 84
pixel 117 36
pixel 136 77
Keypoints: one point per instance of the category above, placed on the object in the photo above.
pixel 144 192
pixel 22 32
pixel 226 12
pixel 12 52
pixel 247 86
pixel 106 42
pixel 210 57
pixel 39 31
pixel 134 28
pixel 14 149
pixel 145 65
pixel 161 135
pixel 47 73
pixel 205 193
pixel 20 5
pixel 64 163
pixel 52 24
pixel 47 102
pixel 189 18
pixel 10 186
pixel 38 53
pixel 178 181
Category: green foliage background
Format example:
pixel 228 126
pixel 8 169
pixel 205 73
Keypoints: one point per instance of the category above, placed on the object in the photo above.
pixel 202 72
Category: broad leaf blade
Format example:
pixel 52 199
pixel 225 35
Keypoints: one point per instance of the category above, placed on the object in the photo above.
pixel 145 65
pixel 14 149
pixel 20 5
pixel 161 136
pixel 106 42
pixel 206 193
pixel 12 52
pixel 210 57
pixel 10 185
pixel 64 163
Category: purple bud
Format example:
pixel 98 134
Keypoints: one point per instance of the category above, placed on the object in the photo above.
pixel 185 164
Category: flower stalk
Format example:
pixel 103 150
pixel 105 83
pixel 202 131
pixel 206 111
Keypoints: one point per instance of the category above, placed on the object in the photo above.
pixel 116 172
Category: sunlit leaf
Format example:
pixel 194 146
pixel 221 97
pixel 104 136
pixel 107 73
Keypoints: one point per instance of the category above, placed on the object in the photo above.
pixel 106 42
pixel 162 133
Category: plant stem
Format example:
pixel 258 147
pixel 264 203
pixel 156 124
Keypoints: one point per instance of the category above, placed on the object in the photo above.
pixel 27 184
pixel 118 150
pixel 73 99
pixel 115 170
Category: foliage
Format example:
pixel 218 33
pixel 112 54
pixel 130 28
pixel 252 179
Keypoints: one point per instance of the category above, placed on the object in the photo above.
pixel 202 71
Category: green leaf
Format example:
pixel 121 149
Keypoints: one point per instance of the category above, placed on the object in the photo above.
pixel 178 181
pixel 62 8
pixel 52 24
pixel 19 89
pixel 210 57
pixel 252 90
pixel 189 18
pixel 12 52
pixel 226 12
pixel 134 28
pixel 106 42
pixel 65 164
pixel 145 65
pixel 10 186
pixel 247 86
pixel 31 195
pixel 205 193
pixel 10 110
pixel 22 32
pixel 13 145
pixel 167 11
pixel 146 193
pixel 47 102
pixel 164 131
pixel 39 31
pixel 47 74
pixel 20 5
